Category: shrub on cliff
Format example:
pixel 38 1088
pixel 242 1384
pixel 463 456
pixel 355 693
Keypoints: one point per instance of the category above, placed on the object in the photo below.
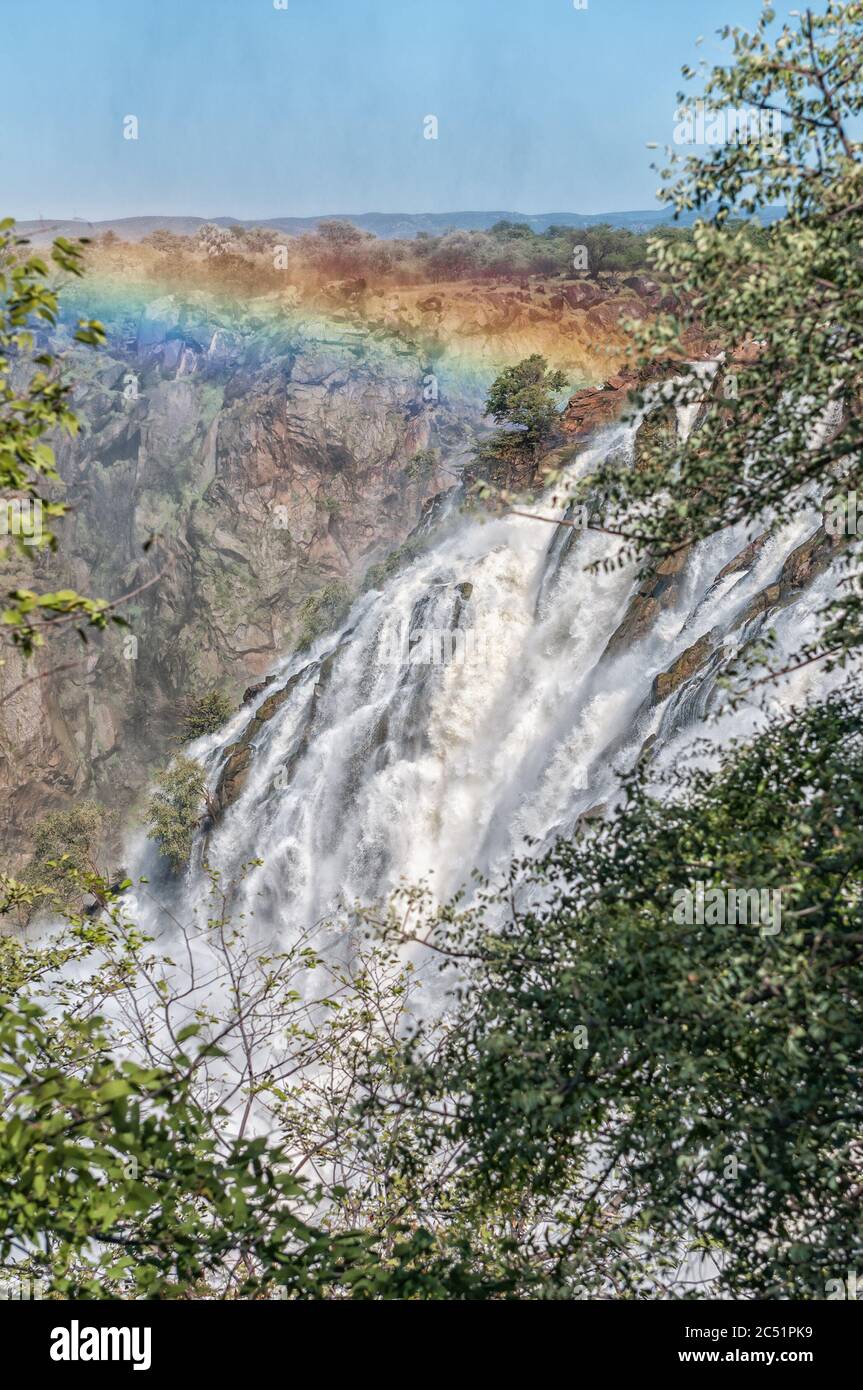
pixel 66 848
pixel 322 611
pixel 523 397
pixel 205 714
pixel 422 465
pixel 376 576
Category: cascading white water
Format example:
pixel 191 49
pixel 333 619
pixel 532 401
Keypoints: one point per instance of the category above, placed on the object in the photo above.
pixel 469 707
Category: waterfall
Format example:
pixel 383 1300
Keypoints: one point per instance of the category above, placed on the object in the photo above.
pixel 476 703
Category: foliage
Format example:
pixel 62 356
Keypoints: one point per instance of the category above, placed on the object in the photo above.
pixel 376 576
pixel 175 808
pixel 214 240
pixel 612 1096
pixel 150 1177
pixel 523 397
pixel 669 1091
pixel 605 248
pixel 205 714
pixel 422 465
pixel 783 304
pixel 322 611
pixel 33 403
pixel 617 1103
pixel 678 1102
pixel 65 853
pixel 506 252
pixel 92 1150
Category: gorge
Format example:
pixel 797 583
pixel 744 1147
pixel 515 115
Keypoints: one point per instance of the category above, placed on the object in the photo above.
pixel 492 676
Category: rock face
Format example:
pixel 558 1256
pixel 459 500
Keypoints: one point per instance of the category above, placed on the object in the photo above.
pixel 646 288
pixel 262 447
pixel 268 457
pixel 685 666
pixel 582 295
pixel 236 767
pixel 658 591
pixel 746 559
pixel 587 411
pixel 802 566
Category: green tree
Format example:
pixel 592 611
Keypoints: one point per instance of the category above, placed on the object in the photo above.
pixel 781 304
pixel 456 255
pixel 175 809
pixel 205 714
pixel 66 847
pixel 668 1088
pixel 523 397
pixel 512 231
pixel 337 232
pixel 34 401
pixel 610 248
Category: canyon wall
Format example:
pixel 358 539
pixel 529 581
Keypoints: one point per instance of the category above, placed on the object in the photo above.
pixel 238 457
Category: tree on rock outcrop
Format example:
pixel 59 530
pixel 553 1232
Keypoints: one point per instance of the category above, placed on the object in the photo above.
pixel 522 399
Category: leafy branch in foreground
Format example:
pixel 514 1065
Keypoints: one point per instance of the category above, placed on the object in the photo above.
pixel 678 1094
pixel 34 401
pixel 615 1101
pixel 780 425
pixel 222 1156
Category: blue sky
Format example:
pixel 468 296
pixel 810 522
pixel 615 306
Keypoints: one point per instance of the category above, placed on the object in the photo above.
pixel 250 111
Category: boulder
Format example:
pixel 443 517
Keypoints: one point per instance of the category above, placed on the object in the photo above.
pixel 657 592
pixel 157 319
pixel 683 667
pixel 644 288
pixel 590 410
pixel 745 559
pixel 236 767
pixel 801 567
pixel 582 294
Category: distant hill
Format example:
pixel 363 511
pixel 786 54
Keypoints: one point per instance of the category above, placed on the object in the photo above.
pixel 382 224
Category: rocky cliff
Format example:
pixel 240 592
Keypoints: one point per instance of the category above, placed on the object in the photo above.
pixel 261 449
pixel 263 461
